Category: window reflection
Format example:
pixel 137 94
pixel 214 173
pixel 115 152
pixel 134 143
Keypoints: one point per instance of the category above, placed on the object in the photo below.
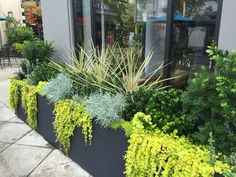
pixel 193 30
pixel 155 32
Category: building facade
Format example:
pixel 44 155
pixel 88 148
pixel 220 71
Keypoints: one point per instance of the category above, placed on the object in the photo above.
pixel 178 31
pixel 10 8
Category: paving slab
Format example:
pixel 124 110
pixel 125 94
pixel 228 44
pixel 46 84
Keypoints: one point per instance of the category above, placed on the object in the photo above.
pixel 6 114
pixel 34 139
pixel 58 165
pixel 5 170
pixel 15 120
pixel 11 132
pixel 22 160
pixel 3 146
pixel 1 104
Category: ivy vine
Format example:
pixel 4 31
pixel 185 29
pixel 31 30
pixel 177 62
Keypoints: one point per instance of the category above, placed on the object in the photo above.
pixel 68 116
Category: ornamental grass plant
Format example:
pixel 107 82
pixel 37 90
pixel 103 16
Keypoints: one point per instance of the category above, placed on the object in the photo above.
pixel 115 70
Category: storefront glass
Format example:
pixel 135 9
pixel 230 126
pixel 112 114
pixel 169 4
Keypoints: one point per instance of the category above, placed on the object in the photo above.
pixel 156 21
pixel 194 26
pixel 83 22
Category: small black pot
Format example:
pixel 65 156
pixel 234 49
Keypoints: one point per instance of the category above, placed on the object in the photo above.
pixel 45 120
pixel 105 157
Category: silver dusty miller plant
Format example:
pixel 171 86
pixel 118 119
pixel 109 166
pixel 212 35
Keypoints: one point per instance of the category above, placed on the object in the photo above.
pixel 105 108
pixel 58 88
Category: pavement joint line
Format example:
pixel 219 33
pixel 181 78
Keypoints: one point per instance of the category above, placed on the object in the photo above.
pixel 14 122
pixel 7 121
pixel 40 163
pixel 10 119
pixel 10 144
pixel 22 136
pixel 28 145
pixel 7 107
pixel 2 123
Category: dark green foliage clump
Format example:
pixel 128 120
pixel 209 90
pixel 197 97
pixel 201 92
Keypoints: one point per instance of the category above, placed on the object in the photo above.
pixel 37 54
pixel 42 72
pixel 137 102
pixel 85 89
pixel 19 35
pixel 37 51
pixel 166 109
pixel 164 106
pixel 210 102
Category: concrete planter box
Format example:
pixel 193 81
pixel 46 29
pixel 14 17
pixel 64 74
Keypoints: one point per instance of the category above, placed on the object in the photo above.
pixel 45 120
pixel 21 113
pixel 104 158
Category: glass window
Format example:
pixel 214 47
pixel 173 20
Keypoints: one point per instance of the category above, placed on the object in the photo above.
pixel 110 23
pixel 82 28
pixel 194 24
pixel 155 32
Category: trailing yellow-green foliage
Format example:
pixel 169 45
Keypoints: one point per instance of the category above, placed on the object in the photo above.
pixel 14 93
pixel 39 87
pixel 24 94
pixel 153 153
pixel 32 109
pixel 29 103
pixel 68 116
pixel 28 100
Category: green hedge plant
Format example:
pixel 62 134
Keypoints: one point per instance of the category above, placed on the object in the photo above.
pixel 19 35
pixel 210 101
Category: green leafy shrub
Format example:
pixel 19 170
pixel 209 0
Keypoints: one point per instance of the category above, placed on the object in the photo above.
pixel 210 102
pixel 233 158
pixel 58 88
pixel 19 35
pixel 106 108
pixel 68 116
pixel 153 153
pixel 42 72
pixel 36 54
pixel 37 51
pixel 136 102
pixel 25 68
pixel 166 109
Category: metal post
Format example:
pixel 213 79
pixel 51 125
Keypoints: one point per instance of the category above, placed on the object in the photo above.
pixel 103 26
pixel 168 41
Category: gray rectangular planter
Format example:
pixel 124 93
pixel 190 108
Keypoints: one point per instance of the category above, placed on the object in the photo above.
pixel 45 120
pixel 104 158
pixel 20 112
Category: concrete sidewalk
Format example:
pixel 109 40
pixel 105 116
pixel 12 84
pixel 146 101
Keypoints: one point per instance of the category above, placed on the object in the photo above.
pixel 23 152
